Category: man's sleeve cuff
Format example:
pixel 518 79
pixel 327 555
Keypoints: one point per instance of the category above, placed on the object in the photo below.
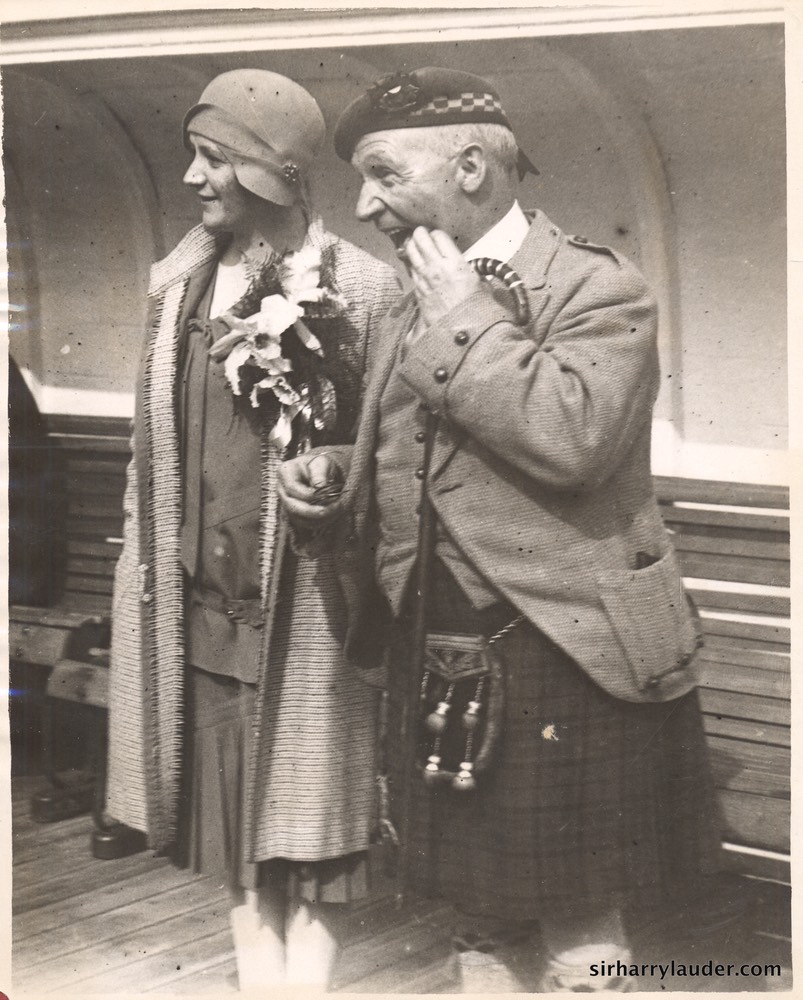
pixel 432 360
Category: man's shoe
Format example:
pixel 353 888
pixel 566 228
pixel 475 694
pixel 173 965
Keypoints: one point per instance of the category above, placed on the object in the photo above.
pixel 499 935
pixel 555 982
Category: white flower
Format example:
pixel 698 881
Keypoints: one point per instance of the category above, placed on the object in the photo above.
pixel 267 353
pixel 239 356
pixel 301 275
pixel 282 390
pixel 276 314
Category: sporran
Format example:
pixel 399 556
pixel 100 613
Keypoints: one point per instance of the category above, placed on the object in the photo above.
pixel 461 704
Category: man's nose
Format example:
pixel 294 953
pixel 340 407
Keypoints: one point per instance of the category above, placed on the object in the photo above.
pixel 368 204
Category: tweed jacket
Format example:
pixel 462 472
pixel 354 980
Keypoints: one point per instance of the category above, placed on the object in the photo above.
pixel 540 468
pixel 147 661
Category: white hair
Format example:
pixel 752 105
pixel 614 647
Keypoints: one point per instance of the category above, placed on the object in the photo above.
pixel 497 140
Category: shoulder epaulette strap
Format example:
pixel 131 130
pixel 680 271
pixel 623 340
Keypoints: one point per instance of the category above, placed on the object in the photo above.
pixel 585 244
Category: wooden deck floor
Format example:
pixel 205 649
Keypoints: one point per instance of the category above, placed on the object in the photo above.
pixel 83 927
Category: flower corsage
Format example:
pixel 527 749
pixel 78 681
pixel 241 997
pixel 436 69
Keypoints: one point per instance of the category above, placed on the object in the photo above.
pixel 271 354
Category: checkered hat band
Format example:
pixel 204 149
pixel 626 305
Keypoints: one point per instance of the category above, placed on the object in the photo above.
pixel 467 103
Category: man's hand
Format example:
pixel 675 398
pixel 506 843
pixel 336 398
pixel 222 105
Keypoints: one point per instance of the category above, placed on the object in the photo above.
pixel 309 487
pixel 442 279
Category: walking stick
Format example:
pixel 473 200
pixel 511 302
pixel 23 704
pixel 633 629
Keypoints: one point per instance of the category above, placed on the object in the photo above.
pixel 424 555
pixel 425 552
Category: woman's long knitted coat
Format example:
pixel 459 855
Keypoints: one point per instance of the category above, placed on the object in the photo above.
pixel 146 731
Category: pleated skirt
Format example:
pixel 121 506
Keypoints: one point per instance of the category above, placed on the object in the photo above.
pixel 210 837
pixel 589 797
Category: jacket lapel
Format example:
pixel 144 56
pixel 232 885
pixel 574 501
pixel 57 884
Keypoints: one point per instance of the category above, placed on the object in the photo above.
pixel 393 328
pixel 534 256
pixel 196 286
pixel 531 261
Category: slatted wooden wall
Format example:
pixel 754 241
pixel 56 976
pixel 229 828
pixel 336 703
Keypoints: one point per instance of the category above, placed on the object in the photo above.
pixel 95 454
pixel 733 544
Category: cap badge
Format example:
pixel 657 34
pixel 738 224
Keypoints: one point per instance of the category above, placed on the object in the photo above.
pixel 396 92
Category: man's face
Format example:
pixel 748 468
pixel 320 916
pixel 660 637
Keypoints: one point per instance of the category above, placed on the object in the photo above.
pixel 226 206
pixel 406 184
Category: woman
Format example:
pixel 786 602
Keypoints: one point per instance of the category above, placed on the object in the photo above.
pixel 240 740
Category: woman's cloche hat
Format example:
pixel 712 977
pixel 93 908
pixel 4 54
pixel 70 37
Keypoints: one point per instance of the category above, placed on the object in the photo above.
pixel 269 127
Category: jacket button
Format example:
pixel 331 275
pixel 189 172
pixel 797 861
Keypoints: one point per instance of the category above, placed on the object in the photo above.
pixel 685 660
pixel 441 375
pixel 419 473
pixel 420 437
pixel 143 567
pixel 147 598
pixel 461 338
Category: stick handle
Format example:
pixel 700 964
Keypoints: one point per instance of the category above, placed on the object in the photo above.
pixel 487 267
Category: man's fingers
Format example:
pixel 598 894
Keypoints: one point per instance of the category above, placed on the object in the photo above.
pixel 435 245
pixel 293 478
pixel 300 504
pixel 417 261
pixel 428 250
pixel 445 245
pixel 422 241
pixel 433 254
pixel 302 511
pixel 303 476
pixel 309 485
pixel 323 471
pixel 307 512
pixel 441 277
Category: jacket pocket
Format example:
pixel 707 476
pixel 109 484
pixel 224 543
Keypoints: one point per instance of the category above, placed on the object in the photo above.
pixel 653 620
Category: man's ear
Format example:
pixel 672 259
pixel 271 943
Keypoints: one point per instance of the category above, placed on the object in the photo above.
pixel 472 167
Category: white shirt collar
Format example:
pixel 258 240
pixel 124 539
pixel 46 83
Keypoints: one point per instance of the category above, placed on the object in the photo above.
pixel 503 239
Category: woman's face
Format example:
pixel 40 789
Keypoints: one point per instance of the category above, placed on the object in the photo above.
pixel 226 206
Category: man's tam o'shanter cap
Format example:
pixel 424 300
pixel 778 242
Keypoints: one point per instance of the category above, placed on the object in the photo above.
pixel 426 97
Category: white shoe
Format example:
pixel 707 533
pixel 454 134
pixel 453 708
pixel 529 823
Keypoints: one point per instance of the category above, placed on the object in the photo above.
pixel 312 946
pixel 258 950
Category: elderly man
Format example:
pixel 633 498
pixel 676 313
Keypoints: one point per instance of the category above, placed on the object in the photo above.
pixel 518 441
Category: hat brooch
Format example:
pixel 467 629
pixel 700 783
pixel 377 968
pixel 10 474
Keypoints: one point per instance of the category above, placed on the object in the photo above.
pixel 291 172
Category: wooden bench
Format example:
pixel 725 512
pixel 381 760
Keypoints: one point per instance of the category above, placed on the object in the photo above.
pixel 70 639
pixel 94 454
pixel 733 543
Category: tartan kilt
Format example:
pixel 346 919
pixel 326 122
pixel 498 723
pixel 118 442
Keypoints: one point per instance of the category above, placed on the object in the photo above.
pixel 588 798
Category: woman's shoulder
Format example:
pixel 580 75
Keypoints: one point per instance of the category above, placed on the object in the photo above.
pixel 349 257
pixel 195 249
pixel 360 273
pixel 351 250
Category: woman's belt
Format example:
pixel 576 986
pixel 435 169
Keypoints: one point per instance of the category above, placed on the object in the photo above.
pixel 244 611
